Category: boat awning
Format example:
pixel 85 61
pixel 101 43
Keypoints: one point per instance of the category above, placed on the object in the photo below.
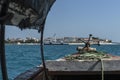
pixel 28 13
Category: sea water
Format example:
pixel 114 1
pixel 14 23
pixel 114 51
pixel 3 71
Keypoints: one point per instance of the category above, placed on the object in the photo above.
pixel 24 57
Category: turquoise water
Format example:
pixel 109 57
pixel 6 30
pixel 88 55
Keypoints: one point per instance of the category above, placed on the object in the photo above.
pixel 23 57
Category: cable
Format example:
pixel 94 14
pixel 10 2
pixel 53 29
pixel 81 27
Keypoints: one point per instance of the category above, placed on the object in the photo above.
pixel 42 51
pixel 102 69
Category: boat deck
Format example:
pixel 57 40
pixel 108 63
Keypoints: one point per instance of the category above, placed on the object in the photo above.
pixel 84 70
pixel 75 70
pixel 84 67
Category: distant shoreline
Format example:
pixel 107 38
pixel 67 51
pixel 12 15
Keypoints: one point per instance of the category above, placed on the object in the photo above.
pixel 22 44
pixel 113 43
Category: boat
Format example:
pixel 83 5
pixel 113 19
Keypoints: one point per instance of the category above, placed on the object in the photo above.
pixel 86 64
pixel 78 66
pixel 32 14
pixel 18 43
pixel 54 43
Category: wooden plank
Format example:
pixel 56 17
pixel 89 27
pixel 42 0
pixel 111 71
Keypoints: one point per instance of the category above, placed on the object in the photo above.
pixel 109 65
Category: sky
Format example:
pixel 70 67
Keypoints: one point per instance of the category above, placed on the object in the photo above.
pixel 78 18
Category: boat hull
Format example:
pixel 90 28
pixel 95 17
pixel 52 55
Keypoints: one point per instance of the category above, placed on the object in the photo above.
pixel 75 70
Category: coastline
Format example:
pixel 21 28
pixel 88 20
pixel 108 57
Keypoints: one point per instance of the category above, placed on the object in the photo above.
pixel 113 43
pixel 95 44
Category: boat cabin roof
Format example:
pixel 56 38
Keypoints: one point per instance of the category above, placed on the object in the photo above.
pixel 27 13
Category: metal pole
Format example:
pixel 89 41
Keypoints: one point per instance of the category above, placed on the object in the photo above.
pixel 2 52
pixel 3 12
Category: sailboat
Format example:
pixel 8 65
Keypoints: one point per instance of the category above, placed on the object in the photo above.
pixel 32 14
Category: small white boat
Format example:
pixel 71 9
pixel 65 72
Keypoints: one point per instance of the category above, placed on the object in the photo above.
pixel 18 43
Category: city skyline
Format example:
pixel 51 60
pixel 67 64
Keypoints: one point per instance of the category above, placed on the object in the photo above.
pixel 78 18
pixel 63 40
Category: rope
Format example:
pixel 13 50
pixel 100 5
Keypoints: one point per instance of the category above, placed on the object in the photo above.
pixel 92 56
pixel 102 69
pixel 42 52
